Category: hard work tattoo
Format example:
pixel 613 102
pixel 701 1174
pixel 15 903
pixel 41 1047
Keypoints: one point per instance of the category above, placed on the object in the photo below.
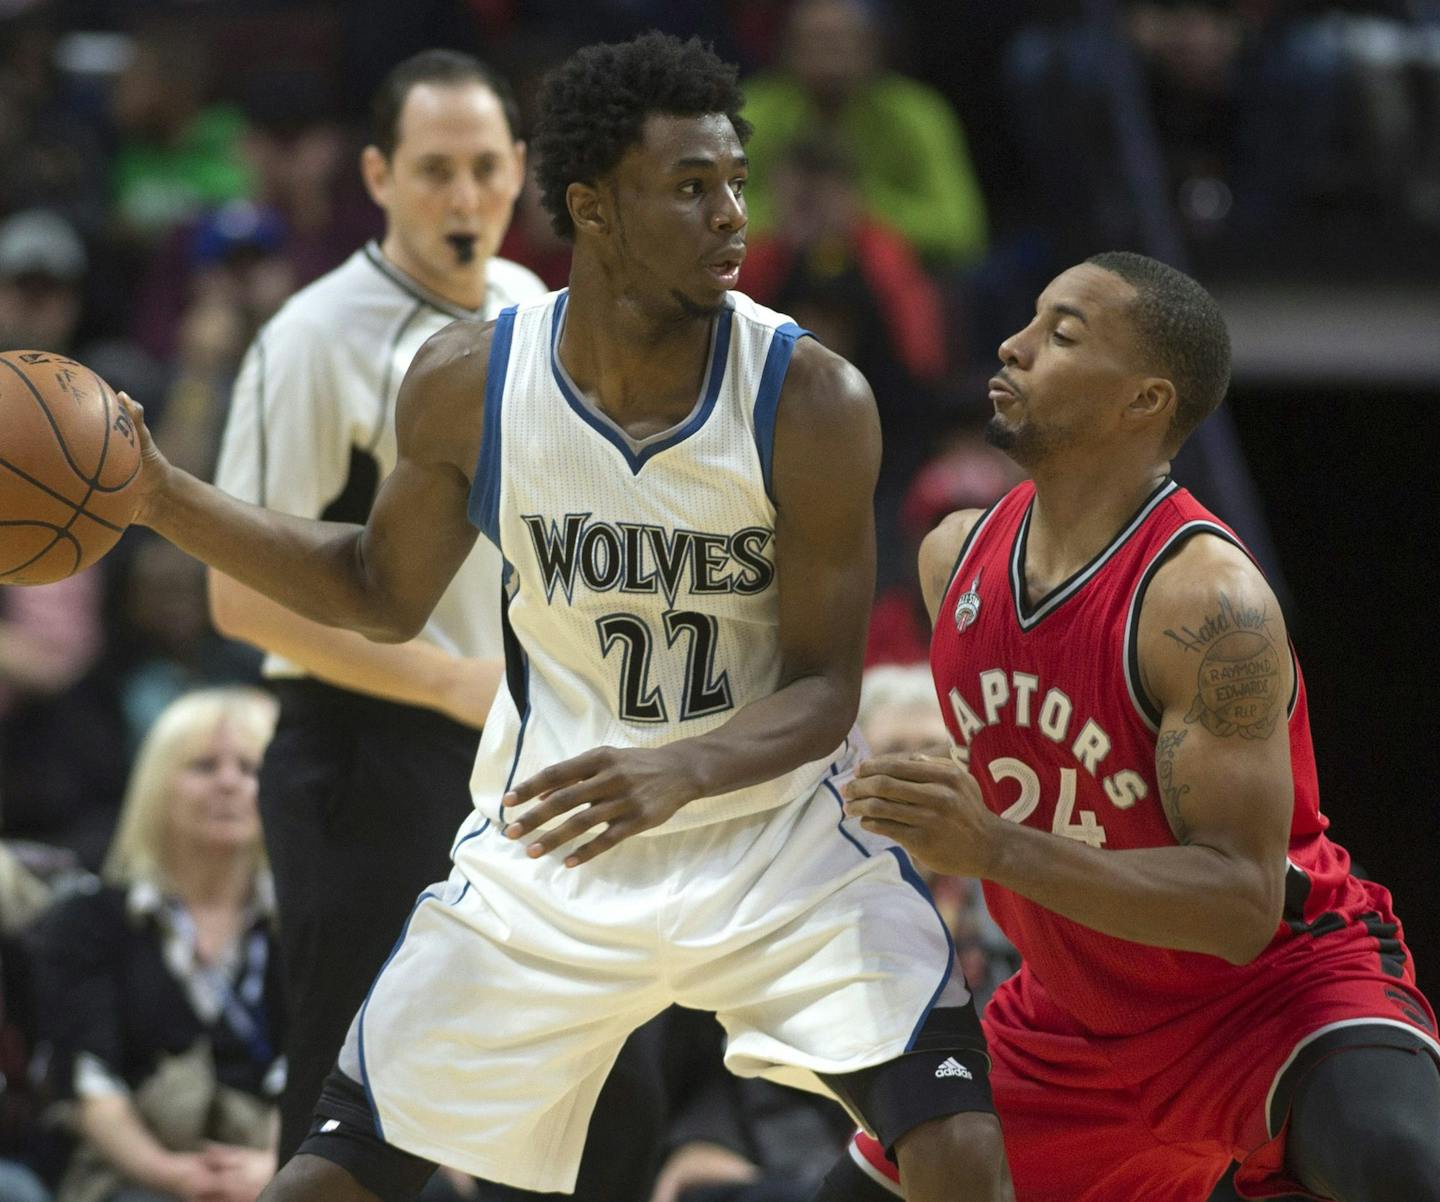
pixel 1170 792
pixel 1240 677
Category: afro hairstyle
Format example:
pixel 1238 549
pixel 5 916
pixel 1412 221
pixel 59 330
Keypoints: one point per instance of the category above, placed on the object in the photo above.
pixel 593 107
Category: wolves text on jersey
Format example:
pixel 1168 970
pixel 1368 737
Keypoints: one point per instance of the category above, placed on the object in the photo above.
pixel 636 557
pixel 1015 697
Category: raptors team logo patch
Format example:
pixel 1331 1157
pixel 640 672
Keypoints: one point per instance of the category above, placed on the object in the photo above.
pixel 967 609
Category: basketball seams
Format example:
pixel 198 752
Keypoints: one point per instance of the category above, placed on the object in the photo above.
pixel 49 417
pixel 62 534
pixel 58 496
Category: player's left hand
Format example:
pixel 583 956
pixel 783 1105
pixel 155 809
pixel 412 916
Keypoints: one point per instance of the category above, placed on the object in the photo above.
pixel 628 790
pixel 930 806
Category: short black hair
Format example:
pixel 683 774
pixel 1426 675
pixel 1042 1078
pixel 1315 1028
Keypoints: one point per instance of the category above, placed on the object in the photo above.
pixel 594 105
pixel 1181 331
pixel 442 67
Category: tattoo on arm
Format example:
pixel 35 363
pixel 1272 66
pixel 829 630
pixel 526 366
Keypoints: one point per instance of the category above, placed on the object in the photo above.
pixel 1170 793
pixel 1241 676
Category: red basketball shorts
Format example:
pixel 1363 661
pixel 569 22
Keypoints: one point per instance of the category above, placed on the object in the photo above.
pixel 1159 1116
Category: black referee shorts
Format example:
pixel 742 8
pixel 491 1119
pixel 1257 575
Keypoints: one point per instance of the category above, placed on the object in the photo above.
pixel 361 799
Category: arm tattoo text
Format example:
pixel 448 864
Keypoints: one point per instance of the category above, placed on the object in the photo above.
pixel 1170 792
pixel 1241 675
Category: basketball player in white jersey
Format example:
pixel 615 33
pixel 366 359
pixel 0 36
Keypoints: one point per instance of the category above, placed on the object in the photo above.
pixel 680 485
pixel 367 777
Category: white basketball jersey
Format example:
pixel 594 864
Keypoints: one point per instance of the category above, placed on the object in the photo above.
pixel 641 599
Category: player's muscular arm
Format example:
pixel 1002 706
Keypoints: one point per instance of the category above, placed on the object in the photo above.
pixel 938 552
pixel 826 459
pixel 384 578
pixel 1222 764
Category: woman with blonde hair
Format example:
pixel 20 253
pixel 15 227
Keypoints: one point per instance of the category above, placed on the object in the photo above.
pixel 158 991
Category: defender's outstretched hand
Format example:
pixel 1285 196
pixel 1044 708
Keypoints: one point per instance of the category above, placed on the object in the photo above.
pixel 930 806
pixel 626 789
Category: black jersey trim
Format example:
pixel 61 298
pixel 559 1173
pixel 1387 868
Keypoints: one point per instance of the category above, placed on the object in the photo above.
pixel 1314 1047
pixel 1130 653
pixel 410 287
pixel 389 374
pixel 1029 617
pixel 980 523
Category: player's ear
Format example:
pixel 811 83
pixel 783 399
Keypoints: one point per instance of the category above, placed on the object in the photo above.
pixel 375 171
pixel 1154 401
pixel 588 209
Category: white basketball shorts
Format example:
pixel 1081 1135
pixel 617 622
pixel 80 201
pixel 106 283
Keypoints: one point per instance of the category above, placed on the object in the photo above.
pixel 488 1033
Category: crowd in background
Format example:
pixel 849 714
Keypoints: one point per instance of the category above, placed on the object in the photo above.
pixel 170 173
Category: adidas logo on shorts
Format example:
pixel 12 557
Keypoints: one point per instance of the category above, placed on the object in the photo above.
pixel 953 1068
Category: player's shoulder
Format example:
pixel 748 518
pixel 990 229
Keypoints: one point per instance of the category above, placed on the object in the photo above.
pixel 454 357
pixel 1207 569
pixel 510 283
pixel 436 414
pixel 821 385
pixel 940 552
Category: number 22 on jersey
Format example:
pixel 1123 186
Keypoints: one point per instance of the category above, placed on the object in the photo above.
pixel 703 694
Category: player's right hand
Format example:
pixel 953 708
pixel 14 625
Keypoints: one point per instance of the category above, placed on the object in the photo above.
pixel 624 789
pixel 154 467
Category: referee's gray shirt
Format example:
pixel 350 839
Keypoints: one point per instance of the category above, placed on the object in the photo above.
pixel 319 383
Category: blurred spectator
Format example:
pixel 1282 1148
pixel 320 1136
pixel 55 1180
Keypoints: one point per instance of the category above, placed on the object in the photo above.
pixel 169 645
pixel 178 151
pixel 23 896
pixel 157 993
pixel 968 475
pixel 307 213
pixel 51 151
pixel 825 240
pixel 61 752
pixel 239 274
pixel 912 165
pixel 303 162
pixel 1276 123
pixel 42 267
pixel 899 713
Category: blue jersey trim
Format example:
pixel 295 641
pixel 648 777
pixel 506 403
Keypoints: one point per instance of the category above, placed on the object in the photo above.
pixel 767 395
pixel 484 508
pixel 907 870
pixel 365 1005
pixel 840 825
pixel 715 377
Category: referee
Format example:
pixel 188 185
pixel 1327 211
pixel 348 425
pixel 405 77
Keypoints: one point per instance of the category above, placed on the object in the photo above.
pixel 367 778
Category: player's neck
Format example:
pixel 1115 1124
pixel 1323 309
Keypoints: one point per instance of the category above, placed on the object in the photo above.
pixel 1077 513
pixel 463 288
pixel 633 362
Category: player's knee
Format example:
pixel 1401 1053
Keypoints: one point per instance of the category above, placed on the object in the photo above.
pixel 314 1179
pixel 1377 1156
pixel 1400 1160
pixel 936 1157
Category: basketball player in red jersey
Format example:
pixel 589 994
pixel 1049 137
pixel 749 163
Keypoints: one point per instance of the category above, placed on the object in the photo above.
pixel 1204 980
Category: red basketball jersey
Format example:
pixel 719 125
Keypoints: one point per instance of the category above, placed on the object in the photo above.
pixel 1046 701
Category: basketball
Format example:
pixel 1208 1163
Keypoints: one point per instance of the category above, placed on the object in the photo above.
pixel 69 455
